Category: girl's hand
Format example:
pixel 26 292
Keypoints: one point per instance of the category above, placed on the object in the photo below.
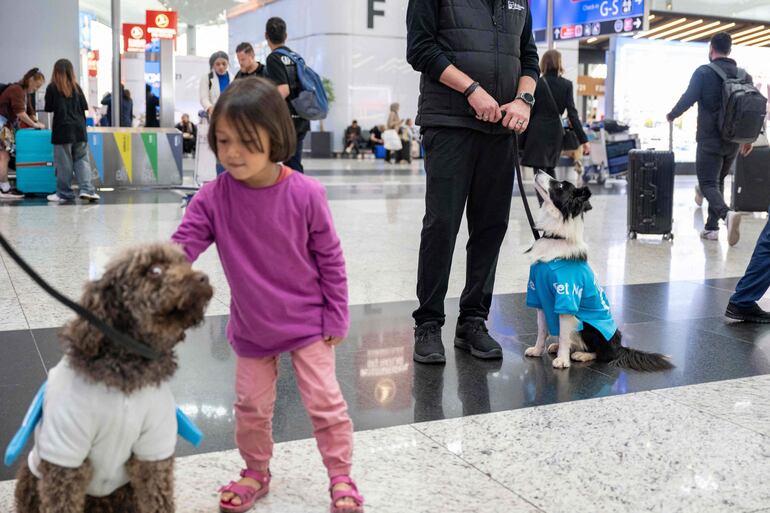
pixel 334 341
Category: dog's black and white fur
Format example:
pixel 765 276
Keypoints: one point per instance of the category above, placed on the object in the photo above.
pixel 561 220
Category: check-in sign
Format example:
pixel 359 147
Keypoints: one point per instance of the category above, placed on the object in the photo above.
pixel 162 24
pixel 134 37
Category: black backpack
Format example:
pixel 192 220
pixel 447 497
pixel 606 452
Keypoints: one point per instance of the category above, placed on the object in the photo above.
pixel 742 117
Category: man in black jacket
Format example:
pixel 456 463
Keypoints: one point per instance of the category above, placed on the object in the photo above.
pixel 283 71
pixel 714 157
pixel 479 68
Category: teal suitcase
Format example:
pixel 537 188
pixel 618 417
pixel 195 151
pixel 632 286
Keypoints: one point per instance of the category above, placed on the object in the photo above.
pixel 35 173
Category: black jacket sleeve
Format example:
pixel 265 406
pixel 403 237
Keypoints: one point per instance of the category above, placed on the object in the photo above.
pixel 690 96
pixel 422 49
pixel 572 114
pixel 49 98
pixel 530 66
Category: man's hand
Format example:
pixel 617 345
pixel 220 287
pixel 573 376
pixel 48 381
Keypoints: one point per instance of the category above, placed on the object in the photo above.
pixel 587 149
pixel 333 341
pixel 485 106
pixel 670 118
pixel 516 116
pixel 746 149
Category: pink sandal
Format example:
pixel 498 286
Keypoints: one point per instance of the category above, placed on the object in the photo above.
pixel 342 494
pixel 248 495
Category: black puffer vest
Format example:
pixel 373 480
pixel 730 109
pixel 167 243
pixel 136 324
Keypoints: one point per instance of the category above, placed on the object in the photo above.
pixel 486 47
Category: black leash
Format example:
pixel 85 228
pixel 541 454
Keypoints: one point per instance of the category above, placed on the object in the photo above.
pixel 111 333
pixel 517 166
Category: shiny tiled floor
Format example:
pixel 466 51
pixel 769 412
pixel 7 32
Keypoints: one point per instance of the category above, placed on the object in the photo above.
pixel 494 436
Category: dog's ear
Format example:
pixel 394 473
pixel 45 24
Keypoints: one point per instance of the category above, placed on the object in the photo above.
pixel 584 193
pixel 587 206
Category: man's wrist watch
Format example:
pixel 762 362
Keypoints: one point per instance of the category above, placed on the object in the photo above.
pixel 526 98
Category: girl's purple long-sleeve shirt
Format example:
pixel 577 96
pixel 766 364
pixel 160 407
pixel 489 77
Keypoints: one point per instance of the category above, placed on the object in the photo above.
pixel 282 259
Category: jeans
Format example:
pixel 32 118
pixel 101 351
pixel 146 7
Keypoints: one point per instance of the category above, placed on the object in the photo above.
pixel 756 281
pixel 463 166
pixel 69 158
pixel 713 161
pixel 295 162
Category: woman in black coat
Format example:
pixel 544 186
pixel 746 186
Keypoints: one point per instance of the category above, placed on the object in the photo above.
pixel 543 140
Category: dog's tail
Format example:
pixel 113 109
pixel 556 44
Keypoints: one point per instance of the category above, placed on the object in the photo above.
pixel 641 361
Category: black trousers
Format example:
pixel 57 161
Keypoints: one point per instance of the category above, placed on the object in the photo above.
pixel 295 162
pixel 463 166
pixel 713 161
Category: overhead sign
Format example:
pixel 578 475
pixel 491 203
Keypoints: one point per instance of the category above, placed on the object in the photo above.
pixel 162 24
pixel 134 37
pixel 539 9
pixel 575 19
pixel 86 20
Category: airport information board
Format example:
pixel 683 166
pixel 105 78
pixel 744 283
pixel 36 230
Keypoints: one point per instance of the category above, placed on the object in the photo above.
pixel 539 9
pixel 575 19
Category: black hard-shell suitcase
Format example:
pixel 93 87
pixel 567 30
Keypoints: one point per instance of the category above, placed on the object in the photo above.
pixel 651 192
pixel 751 183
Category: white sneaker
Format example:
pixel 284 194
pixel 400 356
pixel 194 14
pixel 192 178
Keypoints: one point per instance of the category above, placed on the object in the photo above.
pixel 709 235
pixel 733 221
pixel 698 196
pixel 11 195
pixel 89 197
pixel 55 198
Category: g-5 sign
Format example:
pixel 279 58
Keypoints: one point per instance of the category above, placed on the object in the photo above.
pixel 372 11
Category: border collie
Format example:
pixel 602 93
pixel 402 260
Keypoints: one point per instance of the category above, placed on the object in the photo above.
pixel 563 288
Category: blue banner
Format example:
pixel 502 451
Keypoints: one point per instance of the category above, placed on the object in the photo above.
pixel 85 20
pixel 539 9
pixel 590 18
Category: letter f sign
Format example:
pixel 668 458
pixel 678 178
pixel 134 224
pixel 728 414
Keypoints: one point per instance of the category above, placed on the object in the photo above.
pixel 372 12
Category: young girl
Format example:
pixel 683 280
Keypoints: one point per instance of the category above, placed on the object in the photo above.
pixel 284 264
pixel 66 100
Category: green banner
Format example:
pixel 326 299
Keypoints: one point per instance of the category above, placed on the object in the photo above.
pixel 151 147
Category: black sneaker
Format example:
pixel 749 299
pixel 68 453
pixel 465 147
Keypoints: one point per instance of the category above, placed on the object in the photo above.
pixel 428 347
pixel 472 335
pixel 748 314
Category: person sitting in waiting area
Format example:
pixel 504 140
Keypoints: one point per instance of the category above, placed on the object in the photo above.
pixel 375 136
pixel 189 134
pixel 352 138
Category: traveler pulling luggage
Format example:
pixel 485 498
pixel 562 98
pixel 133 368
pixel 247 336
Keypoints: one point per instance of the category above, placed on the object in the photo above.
pixel 35 172
pixel 651 191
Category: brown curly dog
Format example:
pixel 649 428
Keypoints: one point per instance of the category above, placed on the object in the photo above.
pixel 106 440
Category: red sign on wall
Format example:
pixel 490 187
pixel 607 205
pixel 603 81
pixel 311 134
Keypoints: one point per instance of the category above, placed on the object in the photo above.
pixel 134 37
pixel 162 24
pixel 93 59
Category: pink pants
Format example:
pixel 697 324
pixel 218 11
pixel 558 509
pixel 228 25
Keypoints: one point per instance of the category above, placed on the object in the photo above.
pixel 255 386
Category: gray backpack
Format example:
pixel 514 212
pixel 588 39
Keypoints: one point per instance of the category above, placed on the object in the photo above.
pixel 744 109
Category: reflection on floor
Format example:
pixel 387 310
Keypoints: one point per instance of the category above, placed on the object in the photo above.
pixel 505 436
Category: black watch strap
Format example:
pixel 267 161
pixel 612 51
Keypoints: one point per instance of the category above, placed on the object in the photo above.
pixel 471 89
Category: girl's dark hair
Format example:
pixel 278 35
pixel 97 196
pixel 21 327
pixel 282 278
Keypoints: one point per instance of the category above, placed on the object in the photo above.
pixel 124 91
pixel 64 77
pixel 248 104
pixel 33 73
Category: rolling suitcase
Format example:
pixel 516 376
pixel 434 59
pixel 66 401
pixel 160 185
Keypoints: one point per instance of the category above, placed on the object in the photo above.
pixel 35 173
pixel 651 191
pixel 751 183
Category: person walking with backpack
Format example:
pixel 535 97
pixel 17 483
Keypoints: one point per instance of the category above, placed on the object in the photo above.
pixel 65 99
pixel 282 70
pixel 723 130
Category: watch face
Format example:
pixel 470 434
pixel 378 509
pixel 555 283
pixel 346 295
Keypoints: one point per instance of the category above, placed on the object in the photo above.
pixel 528 98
